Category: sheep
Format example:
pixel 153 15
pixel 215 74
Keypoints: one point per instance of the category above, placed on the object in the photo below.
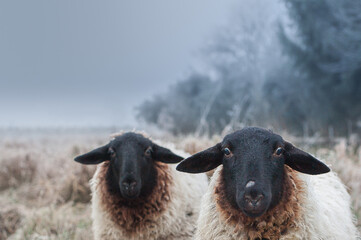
pixel 137 195
pixel 262 190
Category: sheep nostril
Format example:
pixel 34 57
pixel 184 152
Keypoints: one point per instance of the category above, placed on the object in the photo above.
pixel 125 185
pixel 258 198
pixel 129 185
pixel 254 200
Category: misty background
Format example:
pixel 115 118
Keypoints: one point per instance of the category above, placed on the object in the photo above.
pixel 89 63
pixel 203 67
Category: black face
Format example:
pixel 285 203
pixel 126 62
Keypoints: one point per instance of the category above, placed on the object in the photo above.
pixel 253 166
pixel 253 169
pixel 131 159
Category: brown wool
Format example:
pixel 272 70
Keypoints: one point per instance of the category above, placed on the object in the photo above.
pixel 143 212
pixel 273 223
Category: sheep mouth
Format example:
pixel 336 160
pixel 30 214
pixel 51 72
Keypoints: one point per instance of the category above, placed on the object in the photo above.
pixel 129 193
pixel 130 196
pixel 255 212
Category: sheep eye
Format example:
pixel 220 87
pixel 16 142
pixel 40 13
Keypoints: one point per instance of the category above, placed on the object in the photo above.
pixel 111 152
pixel 279 151
pixel 148 152
pixel 227 152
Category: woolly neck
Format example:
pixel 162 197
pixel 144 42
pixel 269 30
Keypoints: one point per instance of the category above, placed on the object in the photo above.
pixel 134 215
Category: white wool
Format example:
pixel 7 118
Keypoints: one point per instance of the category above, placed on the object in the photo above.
pixel 178 221
pixel 326 212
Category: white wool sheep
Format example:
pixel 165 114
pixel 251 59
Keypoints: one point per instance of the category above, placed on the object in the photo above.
pixel 169 211
pixel 324 212
pixel 263 190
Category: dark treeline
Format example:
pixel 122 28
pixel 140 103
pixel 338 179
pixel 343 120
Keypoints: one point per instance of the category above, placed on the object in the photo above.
pixel 293 65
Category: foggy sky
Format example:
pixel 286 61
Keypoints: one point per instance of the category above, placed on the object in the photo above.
pixel 81 63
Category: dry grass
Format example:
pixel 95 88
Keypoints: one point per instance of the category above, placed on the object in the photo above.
pixel 66 221
pixel 9 222
pixel 44 194
pixel 16 171
pixel 50 192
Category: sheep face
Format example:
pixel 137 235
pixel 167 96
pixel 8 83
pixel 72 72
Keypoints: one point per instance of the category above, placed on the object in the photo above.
pixel 131 157
pixel 253 166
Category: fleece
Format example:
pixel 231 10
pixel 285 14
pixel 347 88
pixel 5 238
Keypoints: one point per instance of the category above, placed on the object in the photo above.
pixel 312 208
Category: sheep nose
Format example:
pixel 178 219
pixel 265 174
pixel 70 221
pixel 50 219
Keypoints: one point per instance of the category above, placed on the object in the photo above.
pixel 255 201
pixel 129 185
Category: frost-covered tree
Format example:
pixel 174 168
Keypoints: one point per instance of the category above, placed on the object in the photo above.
pixel 229 88
pixel 293 65
pixel 324 42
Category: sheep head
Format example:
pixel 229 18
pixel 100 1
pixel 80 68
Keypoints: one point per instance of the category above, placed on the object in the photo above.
pixel 131 157
pixel 253 167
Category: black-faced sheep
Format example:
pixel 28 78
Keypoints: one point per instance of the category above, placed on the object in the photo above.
pixel 264 190
pixel 137 195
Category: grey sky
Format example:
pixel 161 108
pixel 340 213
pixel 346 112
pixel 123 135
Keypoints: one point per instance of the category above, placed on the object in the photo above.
pixel 74 63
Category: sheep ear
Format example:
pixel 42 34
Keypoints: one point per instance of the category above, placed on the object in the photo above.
pixel 203 161
pixel 165 155
pixel 303 162
pixel 95 156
